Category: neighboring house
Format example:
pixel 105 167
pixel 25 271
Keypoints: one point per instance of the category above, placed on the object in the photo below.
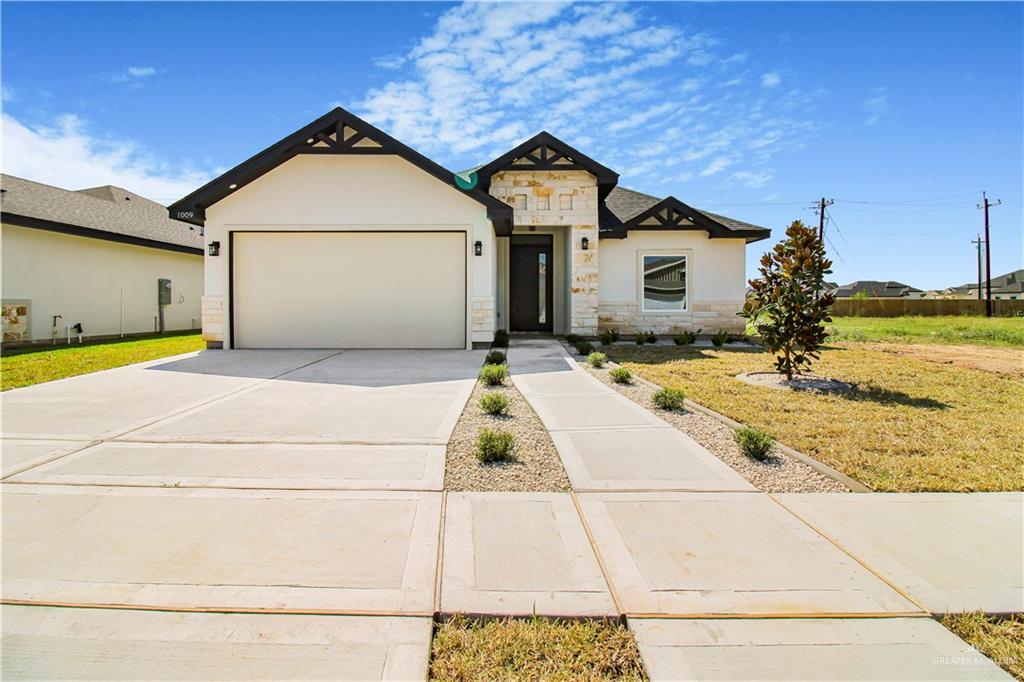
pixel 872 289
pixel 1009 286
pixel 95 257
pixel 341 236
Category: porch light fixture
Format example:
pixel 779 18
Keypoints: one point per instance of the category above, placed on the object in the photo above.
pixel 478 248
pixel 585 244
pixel 214 248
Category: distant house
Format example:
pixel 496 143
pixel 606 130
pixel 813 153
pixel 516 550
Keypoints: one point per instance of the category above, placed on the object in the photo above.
pixel 94 257
pixel 873 289
pixel 1009 286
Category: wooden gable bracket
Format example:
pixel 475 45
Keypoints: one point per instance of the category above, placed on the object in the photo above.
pixel 341 137
pixel 672 214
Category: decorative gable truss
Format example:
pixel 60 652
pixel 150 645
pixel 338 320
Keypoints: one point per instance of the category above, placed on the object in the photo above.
pixel 337 132
pixel 670 214
pixel 545 152
pixel 546 156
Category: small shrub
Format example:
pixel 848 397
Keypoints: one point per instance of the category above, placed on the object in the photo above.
pixel 495 357
pixel 685 338
pixel 494 402
pixel 754 443
pixel 640 338
pixel 669 399
pixel 493 445
pixel 500 339
pixel 609 336
pixel 584 347
pixel 493 375
pixel 620 375
pixel 597 360
pixel 571 339
pixel 651 336
pixel 719 339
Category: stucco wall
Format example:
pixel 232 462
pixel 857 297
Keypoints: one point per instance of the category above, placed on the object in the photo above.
pixel 81 279
pixel 351 192
pixel 715 282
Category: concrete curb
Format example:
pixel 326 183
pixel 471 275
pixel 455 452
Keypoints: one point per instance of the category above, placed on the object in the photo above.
pixel 821 468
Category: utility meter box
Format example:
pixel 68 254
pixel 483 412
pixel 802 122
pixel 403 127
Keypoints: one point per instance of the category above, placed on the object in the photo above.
pixel 163 291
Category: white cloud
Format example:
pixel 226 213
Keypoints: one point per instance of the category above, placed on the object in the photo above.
pixel 67 155
pixel 134 75
pixel 716 166
pixel 141 71
pixel 7 93
pixel 751 179
pixel 770 79
pixel 390 62
pixel 877 109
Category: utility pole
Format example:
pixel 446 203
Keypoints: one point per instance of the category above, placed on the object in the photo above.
pixel 986 204
pixel 977 243
pixel 821 216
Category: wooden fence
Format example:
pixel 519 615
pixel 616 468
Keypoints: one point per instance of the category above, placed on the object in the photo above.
pixel 895 307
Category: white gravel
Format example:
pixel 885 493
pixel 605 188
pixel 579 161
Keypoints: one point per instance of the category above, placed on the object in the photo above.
pixel 537 467
pixel 779 474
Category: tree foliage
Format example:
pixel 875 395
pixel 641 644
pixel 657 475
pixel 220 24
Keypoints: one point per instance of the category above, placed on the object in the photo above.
pixel 786 305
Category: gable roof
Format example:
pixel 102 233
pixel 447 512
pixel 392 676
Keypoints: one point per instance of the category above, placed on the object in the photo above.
pixel 106 212
pixel 336 132
pixel 544 151
pixel 875 289
pixel 1010 283
pixel 632 210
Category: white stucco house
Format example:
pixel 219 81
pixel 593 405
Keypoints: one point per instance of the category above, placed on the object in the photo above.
pixel 103 258
pixel 340 236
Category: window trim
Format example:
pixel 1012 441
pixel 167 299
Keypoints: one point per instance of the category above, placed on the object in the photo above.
pixel 686 255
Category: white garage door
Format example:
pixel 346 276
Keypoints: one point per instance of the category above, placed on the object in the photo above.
pixel 349 289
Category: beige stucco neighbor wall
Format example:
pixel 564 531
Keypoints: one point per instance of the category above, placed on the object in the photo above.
pixel 566 200
pixel 82 279
pixel 715 282
pixel 351 192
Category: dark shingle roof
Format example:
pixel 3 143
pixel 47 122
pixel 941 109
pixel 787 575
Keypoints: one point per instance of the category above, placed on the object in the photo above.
pixel 627 203
pixel 875 289
pixel 1010 283
pixel 107 209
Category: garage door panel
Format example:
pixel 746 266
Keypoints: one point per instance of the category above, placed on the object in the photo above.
pixel 349 289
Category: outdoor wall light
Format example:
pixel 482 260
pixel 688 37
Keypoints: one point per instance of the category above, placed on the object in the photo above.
pixel 214 248
pixel 585 244
pixel 478 248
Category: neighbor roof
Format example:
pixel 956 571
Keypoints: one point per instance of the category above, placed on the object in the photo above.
pixel 106 212
pixel 1010 283
pixel 627 208
pixel 336 132
pixel 875 289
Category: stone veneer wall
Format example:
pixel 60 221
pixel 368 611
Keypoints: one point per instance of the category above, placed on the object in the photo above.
pixel 213 320
pixel 482 317
pixel 566 199
pixel 708 317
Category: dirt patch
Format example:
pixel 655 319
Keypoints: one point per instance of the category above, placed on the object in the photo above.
pixel 537 467
pixel 778 474
pixel 1005 361
pixel 800 382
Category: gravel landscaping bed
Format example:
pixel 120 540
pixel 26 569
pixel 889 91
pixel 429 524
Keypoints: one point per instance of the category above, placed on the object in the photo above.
pixel 537 467
pixel 776 475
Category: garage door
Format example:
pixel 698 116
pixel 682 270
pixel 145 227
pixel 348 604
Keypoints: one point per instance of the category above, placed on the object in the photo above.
pixel 349 289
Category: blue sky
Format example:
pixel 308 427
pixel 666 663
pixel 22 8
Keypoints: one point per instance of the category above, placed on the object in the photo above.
pixel 903 113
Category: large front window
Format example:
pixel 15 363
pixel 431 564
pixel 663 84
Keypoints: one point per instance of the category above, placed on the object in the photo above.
pixel 664 283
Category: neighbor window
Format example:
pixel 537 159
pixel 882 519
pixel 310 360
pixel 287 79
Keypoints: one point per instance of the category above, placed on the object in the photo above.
pixel 664 282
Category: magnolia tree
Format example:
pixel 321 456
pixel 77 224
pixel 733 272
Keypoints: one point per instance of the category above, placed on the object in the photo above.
pixel 786 305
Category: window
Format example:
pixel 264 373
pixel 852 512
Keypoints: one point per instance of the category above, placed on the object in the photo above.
pixel 543 204
pixel 519 202
pixel 565 202
pixel 664 282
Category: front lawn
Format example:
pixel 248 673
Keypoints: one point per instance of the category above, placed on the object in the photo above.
pixel 534 649
pixel 37 364
pixel 908 425
pixel 988 331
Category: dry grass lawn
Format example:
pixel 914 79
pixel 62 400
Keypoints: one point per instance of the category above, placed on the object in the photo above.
pixel 1002 640
pixel 537 649
pixel 37 364
pixel 908 425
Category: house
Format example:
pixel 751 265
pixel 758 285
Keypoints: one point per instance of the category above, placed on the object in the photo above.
pixel 1009 286
pixel 339 235
pixel 96 258
pixel 873 289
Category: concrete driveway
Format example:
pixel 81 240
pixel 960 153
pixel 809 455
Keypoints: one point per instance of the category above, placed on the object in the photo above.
pixel 296 483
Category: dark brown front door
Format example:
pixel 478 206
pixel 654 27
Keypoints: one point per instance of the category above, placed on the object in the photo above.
pixel 530 284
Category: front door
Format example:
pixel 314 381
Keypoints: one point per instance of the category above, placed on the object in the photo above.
pixel 531 284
